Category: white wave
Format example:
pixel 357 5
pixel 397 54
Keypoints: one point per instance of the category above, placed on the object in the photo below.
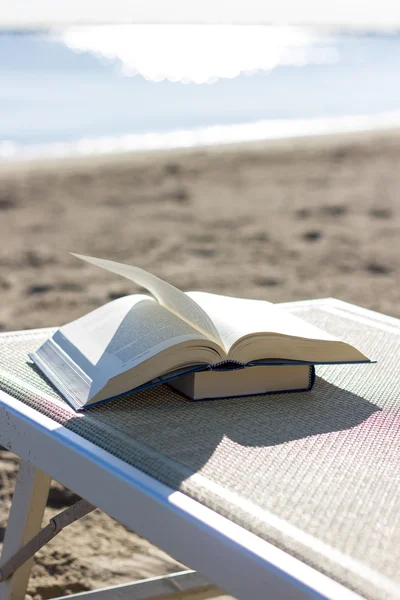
pixel 204 136
pixel 200 53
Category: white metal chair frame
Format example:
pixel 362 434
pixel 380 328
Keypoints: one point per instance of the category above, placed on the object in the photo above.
pixel 229 556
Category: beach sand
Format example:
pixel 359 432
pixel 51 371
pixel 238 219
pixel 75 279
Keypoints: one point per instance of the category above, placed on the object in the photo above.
pixel 282 221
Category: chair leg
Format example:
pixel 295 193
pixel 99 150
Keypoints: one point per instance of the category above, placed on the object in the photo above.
pixel 25 520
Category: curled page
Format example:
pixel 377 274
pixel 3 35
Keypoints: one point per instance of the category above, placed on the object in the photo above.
pixel 167 295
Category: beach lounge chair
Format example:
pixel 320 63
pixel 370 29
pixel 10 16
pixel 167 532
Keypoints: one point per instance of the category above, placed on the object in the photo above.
pixel 288 496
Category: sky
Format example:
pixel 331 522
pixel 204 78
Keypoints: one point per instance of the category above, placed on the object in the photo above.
pixel 366 14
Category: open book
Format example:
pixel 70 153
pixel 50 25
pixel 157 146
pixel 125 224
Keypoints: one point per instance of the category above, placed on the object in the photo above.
pixel 142 339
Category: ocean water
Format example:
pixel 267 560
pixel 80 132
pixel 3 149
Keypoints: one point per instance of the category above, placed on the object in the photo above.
pixel 70 94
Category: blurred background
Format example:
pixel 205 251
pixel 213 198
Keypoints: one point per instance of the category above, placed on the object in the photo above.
pixel 131 87
pixel 256 161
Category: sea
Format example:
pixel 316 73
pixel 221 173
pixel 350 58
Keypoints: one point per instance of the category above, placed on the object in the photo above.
pixel 124 88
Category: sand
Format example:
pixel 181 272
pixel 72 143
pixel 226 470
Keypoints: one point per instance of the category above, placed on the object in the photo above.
pixel 291 220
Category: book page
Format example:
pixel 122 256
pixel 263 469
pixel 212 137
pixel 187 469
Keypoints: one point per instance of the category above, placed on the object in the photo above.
pixel 122 334
pixel 235 318
pixel 166 294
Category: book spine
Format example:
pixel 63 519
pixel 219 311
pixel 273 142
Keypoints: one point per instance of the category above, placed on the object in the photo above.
pixel 311 378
